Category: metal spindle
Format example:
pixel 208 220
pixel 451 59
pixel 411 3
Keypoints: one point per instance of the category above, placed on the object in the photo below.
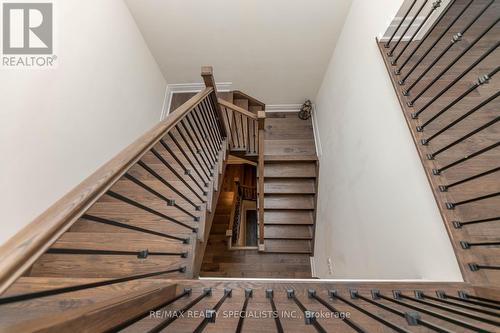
pixel 397 300
pixel 165 163
pixel 215 123
pixel 480 81
pixel 158 328
pixel 186 170
pixel 124 226
pixel 406 30
pixel 475 267
pixel 431 47
pixel 457 58
pixel 452 83
pixel 197 144
pixel 211 315
pixel 431 30
pixel 205 133
pixel 142 254
pixel 167 184
pixel 419 299
pixel 444 188
pixel 193 152
pixel 399 25
pixel 308 315
pixel 456 38
pixel 488 300
pixel 152 211
pixel 350 323
pixel 467 245
pixel 192 164
pixel 458 224
pixel 231 140
pixel 170 202
pixel 334 295
pixel 198 130
pixel 431 156
pixel 452 205
pixel 459 305
pixel 459 119
pixel 63 290
pixel 270 297
pixel 236 128
pixel 212 137
pixel 248 295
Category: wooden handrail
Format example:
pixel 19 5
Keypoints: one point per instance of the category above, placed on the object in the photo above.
pixel 237 109
pixel 22 250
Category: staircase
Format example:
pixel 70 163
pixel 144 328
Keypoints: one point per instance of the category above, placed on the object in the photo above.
pixel 290 183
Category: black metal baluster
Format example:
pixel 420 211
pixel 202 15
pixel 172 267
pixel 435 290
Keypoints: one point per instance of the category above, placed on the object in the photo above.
pixel 399 25
pixel 459 305
pixel 456 38
pixel 420 300
pixel 200 151
pixel 145 314
pixel 210 315
pixel 475 267
pixel 309 316
pixel 406 30
pixel 142 254
pixel 334 295
pixel 466 296
pixel 211 116
pixel 431 156
pixel 63 290
pixel 397 300
pixel 196 153
pixel 435 5
pixel 211 136
pixel 127 226
pixel 353 325
pixel 167 184
pixel 183 167
pixel 152 211
pixel 165 163
pixel 444 188
pixel 431 30
pixel 465 158
pixel 212 129
pixel 467 245
pixel 205 179
pixel 480 81
pixel 248 295
pixel 169 202
pixel 459 119
pixel 205 134
pixel 458 224
pixel 431 47
pixel 452 83
pixel 452 205
pixel 199 134
pixel 179 313
pixel 270 296
pixel 412 318
pixel 456 59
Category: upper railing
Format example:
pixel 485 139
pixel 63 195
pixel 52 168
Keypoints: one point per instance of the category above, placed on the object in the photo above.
pixel 182 155
pixel 443 64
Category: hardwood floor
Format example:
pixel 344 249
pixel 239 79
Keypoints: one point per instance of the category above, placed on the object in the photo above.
pixel 221 262
pixel 472 142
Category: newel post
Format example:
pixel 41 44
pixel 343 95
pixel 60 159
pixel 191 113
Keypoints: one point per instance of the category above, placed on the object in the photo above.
pixel 207 73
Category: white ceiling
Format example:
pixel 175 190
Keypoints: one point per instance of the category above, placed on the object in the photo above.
pixel 274 50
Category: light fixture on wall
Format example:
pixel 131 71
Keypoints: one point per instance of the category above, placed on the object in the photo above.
pixel 305 110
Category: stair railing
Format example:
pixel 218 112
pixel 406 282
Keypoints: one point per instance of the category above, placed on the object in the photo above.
pixel 192 138
pixel 445 77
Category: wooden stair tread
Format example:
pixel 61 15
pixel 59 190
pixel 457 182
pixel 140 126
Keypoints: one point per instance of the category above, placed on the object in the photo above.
pixel 285 158
pixel 287 232
pixel 272 185
pixel 288 217
pixel 284 201
pixel 290 170
pixel 287 246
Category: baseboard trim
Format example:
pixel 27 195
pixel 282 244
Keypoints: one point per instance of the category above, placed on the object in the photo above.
pixel 317 138
pixel 187 88
pixel 313 267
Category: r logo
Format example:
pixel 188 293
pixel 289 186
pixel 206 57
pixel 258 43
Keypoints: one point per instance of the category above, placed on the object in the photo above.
pixel 27 28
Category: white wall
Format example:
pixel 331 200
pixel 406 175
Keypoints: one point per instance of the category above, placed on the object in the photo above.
pixel 57 126
pixel 376 212
pixel 276 51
